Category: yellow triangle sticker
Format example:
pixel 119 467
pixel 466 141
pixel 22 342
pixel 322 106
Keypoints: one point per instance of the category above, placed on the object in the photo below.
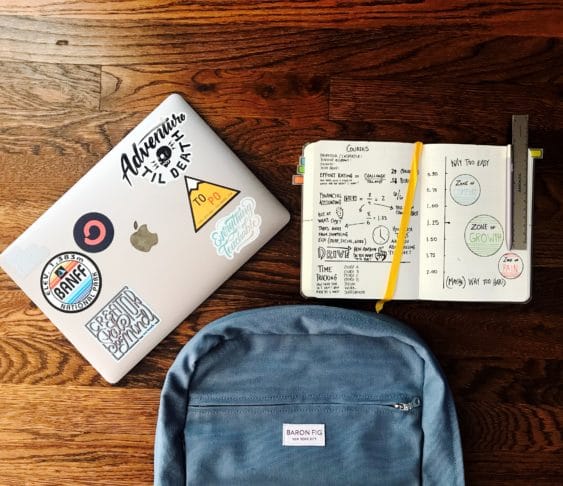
pixel 206 200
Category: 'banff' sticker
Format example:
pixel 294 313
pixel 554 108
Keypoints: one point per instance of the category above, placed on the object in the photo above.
pixel 71 282
pixel 238 229
pixel 122 323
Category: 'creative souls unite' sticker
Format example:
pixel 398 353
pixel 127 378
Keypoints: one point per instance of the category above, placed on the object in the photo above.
pixel 161 155
pixel 122 323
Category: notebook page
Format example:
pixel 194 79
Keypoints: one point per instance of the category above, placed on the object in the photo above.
pixel 463 246
pixel 353 196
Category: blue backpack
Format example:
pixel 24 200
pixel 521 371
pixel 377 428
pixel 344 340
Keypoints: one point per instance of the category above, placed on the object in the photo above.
pixel 306 395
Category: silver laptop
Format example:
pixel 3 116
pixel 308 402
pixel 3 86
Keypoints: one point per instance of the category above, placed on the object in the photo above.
pixel 143 238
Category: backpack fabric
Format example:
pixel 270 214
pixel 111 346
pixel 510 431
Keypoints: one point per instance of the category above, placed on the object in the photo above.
pixel 362 398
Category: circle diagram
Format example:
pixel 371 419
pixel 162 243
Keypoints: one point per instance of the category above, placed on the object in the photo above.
pixel 70 282
pixel 510 265
pixel 380 235
pixel 465 189
pixel 484 235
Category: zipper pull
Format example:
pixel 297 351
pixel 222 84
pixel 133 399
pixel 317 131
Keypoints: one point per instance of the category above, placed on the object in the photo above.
pixel 407 407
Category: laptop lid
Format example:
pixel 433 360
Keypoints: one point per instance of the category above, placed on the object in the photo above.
pixel 143 238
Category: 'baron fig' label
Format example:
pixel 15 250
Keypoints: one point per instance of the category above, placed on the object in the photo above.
pixel 303 435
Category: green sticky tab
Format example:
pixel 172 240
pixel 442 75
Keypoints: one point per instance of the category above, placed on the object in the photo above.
pixel 301 169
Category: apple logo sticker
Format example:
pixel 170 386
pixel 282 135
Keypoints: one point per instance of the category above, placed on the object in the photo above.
pixel 143 239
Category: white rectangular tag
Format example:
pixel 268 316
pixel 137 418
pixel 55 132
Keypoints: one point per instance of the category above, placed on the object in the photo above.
pixel 303 435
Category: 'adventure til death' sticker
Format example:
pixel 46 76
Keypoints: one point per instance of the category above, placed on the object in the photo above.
pixel 122 323
pixel 238 229
pixel 161 155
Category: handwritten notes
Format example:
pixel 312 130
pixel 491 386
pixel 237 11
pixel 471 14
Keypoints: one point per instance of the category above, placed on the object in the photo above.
pixel 464 197
pixel 353 201
pixel 455 247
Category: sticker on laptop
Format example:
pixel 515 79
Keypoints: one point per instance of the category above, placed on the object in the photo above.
pixel 22 260
pixel 206 200
pixel 93 232
pixel 71 282
pixel 143 239
pixel 237 230
pixel 122 323
pixel 161 155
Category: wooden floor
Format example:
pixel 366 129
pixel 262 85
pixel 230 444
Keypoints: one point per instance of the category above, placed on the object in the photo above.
pixel 269 76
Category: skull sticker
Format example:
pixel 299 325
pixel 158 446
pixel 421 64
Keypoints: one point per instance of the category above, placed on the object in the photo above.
pixel 163 155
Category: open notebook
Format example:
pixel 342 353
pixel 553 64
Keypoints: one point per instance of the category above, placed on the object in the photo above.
pixel 456 243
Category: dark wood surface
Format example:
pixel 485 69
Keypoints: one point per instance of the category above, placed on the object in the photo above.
pixel 269 76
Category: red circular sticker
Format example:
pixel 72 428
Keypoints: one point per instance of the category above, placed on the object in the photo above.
pixel 93 232
pixel 510 265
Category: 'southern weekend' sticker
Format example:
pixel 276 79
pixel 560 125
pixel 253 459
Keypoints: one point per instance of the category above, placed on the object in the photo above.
pixel 161 155
pixel 238 229
pixel 206 200
pixel 122 323
pixel 71 282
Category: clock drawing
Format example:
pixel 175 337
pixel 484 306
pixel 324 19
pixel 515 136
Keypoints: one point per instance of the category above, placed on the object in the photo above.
pixel 380 235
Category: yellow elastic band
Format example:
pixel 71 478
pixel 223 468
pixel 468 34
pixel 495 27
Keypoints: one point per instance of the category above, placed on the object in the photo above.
pixel 407 207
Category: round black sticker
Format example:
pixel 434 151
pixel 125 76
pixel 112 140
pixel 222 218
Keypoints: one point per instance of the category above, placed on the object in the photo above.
pixel 93 232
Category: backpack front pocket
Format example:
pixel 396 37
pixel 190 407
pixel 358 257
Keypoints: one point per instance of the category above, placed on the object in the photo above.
pixel 328 441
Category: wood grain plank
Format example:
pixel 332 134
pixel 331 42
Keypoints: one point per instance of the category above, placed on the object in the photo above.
pixel 493 468
pixel 259 94
pixel 495 427
pixel 30 86
pixel 460 51
pixel 70 435
pixel 422 55
pixel 505 380
pixel 538 18
pixel 420 101
pixel 139 407
pixel 67 136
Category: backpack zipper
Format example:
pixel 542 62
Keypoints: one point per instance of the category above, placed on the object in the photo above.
pixel 407 407
pixel 402 406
